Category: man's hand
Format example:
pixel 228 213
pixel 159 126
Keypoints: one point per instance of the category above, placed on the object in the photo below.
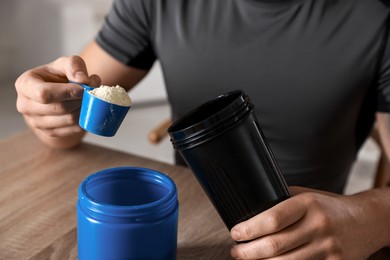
pixel 316 225
pixel 49 104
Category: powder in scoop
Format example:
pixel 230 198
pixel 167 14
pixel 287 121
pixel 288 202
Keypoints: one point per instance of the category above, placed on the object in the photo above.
pixel 115 95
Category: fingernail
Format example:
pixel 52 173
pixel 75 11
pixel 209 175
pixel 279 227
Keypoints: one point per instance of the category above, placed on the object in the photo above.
pixel 79 74
pixel 236 235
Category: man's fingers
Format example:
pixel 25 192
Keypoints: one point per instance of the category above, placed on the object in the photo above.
pixel 30 108
pixel 72 67
pixel 270 221
pixel 294 236
pixel 46 93
pixel 52 122
pixel 49 83
pixel 62 132
pixel 34 88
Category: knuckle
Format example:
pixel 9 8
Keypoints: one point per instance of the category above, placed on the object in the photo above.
pixel 273 246
pixel 58 108
pixel 78 130
pixel 43 95
pixel 20 82
pixel 248 232
pixel 75 61
pixel 34 124
pixel 242 253
pixel 20 106
pixel 323 221
pixel 323 224
pixel 75 93
pixel 73 119
pixel 273 221
pixel 51 132
pixel 28 74
pixel 334 248
pixel 310 198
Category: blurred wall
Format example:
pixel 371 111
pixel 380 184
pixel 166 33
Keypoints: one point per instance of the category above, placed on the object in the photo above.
pixel 7 37
pixel 34 32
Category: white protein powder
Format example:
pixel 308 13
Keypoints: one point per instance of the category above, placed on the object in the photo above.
pixel 115 95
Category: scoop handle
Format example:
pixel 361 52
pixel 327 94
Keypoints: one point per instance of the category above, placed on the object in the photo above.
pixel 86 87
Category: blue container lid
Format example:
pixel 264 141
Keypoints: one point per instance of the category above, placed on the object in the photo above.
pixel 128 194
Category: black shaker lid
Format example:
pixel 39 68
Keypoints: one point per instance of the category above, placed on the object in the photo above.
pixel 209 119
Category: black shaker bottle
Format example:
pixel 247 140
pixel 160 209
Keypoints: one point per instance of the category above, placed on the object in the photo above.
pixel 222 143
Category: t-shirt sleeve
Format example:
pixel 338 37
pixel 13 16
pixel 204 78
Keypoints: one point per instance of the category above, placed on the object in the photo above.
pixel 126 33
pixel 383 94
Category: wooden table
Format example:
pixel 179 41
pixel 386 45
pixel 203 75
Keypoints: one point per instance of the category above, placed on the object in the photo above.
pixel 38 193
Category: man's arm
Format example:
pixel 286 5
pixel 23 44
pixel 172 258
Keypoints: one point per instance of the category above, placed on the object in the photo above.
pixel 319 225
pixel 51 106
pixel 383 126
pixel 111 71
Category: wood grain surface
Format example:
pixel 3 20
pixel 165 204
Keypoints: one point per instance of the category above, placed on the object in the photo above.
pixel 38 194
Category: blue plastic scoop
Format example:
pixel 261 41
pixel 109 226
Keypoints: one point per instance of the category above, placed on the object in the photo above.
pixel 99 116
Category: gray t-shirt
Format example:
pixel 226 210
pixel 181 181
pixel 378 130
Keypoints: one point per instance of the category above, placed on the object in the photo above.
pixel 316 70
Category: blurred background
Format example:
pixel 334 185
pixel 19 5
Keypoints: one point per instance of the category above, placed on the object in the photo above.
pixel 37 32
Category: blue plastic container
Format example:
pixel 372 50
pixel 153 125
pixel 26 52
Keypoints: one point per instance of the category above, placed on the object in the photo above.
pixel 100 117
pixel 127 213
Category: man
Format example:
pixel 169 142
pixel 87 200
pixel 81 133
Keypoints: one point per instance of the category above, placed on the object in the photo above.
pixel 318 72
